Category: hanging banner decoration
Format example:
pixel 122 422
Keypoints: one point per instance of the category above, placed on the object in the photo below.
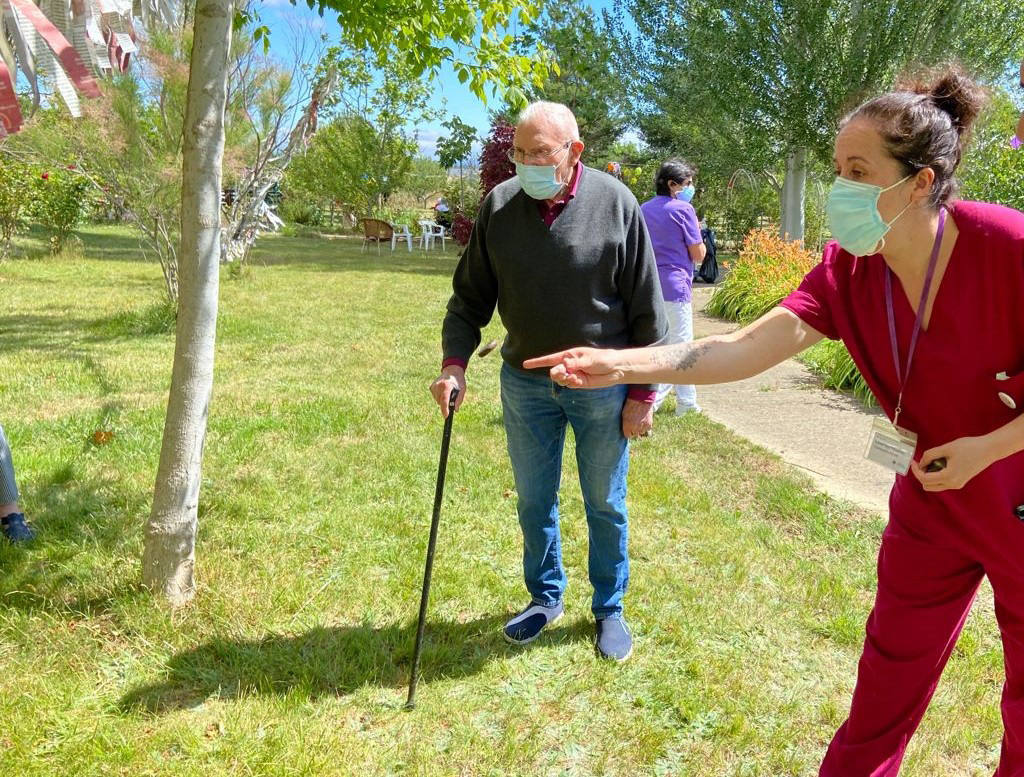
pixel 88 38
pixel 69 59
pixel 117 32
pixel 68 44
pixel 59 14
pixel 10 112
pixel 5 48
pixel 46 66
pixel 26 57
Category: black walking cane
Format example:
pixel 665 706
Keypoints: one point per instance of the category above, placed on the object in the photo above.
pixel 446 439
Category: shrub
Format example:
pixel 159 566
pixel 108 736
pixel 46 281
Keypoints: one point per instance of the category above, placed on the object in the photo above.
pixel 736 205
pixel 60 204
pixel 463 195
pixel 296 209
pixel 640 179
pixel 16 182
pixel 410 217
pixel 766 270
pixel 462 228
pixel 833 363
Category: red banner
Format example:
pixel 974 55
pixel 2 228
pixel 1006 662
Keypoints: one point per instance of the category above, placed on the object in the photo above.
pixel 10 113
pixel 68 57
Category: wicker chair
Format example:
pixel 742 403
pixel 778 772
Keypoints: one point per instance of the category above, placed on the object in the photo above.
pixel 376 231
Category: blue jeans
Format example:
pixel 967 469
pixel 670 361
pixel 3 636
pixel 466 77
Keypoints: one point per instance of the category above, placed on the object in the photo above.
pixel 8 486
pixel 537 412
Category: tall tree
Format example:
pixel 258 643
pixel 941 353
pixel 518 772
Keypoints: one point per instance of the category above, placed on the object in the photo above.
pixel 168 559
pixel 426 177
pixel 365 153
pixel 420 34
pixel 586 79
pixel 771 79
pixel 455 148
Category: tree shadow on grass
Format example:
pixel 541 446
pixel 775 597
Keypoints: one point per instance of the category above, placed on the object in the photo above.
pixel 72 517
pixel 67 336
pixel 331 661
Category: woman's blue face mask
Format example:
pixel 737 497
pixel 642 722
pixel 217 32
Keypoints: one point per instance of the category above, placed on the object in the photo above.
pixel 853 215
pixel 686 193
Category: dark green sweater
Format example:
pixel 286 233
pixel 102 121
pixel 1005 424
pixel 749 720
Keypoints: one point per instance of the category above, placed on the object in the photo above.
pixel 589 279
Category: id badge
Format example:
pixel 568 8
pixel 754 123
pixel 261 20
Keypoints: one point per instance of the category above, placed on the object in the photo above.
pixel 891 446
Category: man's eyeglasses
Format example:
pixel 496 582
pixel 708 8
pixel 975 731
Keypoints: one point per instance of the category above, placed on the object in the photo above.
pixel 537 156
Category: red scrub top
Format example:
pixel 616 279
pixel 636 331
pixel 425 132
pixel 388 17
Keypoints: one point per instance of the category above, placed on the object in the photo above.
pixel 976 330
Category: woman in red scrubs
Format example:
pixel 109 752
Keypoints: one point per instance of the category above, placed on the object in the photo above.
pixel 927 293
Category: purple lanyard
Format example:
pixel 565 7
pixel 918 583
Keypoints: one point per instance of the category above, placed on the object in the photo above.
pixel 901 375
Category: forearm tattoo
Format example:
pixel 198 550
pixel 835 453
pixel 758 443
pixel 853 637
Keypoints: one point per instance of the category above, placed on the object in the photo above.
pixel 681 357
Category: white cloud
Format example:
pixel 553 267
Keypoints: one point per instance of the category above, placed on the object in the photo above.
pixel 426 140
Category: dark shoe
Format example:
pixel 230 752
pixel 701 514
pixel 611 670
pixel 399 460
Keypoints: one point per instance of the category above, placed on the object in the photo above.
pixel 613 641
pixel 527 625
pixel 15 529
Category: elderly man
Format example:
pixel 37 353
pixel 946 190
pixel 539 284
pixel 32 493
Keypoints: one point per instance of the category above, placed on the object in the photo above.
pixel 563 252
pixel 12 520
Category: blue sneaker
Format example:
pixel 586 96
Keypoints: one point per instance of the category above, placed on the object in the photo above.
pixel 527 625
pixel 15 529
pixel 613 640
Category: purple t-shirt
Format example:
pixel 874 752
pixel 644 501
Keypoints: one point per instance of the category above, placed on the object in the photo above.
pixel 673 226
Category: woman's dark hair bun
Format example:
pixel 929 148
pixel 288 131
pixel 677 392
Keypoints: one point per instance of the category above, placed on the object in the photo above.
pixel 955 94
pixel 926 122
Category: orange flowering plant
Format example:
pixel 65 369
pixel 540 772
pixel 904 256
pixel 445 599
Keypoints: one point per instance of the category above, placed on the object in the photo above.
pixel 769 268
pixel 766 270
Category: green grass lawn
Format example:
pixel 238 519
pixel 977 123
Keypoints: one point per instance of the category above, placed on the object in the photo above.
pixel 748 593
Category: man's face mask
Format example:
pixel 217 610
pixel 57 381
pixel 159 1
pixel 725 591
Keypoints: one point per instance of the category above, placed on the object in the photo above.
pixel 540 181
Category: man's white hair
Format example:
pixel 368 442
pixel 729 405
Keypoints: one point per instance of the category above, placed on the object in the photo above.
pixel 554 113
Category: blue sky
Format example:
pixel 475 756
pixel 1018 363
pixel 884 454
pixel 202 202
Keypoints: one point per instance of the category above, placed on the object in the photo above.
pixel 281 16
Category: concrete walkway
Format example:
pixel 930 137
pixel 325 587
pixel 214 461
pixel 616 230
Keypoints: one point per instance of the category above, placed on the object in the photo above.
pixel 784 410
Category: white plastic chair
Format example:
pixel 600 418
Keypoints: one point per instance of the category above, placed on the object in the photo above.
pixel 402 232
pixel 431 230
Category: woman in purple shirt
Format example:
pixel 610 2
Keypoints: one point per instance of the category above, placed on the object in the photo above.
pixel 678 246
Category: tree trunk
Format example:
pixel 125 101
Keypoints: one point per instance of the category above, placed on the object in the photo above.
pixel 792 221
pixel 168 558
pixel 462 206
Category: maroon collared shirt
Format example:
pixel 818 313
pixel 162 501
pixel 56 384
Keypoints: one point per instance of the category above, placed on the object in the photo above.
pixel 549 211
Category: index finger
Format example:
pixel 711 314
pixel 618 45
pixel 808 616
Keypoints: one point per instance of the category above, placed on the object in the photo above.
pixel 549 360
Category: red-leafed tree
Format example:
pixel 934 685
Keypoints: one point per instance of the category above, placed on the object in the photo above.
pixel 495 167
